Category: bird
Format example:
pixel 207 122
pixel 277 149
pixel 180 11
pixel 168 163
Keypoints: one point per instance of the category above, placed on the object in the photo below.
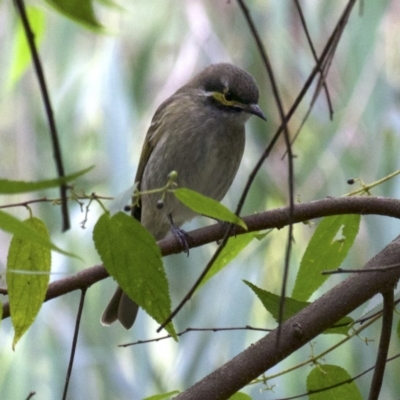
pixel 199 132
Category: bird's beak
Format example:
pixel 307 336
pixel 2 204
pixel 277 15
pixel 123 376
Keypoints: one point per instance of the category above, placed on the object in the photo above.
pixel 256 110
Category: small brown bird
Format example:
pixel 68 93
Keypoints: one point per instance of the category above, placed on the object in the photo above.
pixel 199 133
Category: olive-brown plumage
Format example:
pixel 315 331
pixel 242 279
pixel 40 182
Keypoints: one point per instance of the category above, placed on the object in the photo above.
pixel 199 133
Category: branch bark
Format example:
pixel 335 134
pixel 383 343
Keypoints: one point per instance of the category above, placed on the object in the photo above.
pixel 300 329
pixel 277 218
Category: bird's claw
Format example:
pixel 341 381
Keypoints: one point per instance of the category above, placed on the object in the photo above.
pixel 181 236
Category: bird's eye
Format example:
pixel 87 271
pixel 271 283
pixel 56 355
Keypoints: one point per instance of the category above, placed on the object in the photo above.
pixel 229 96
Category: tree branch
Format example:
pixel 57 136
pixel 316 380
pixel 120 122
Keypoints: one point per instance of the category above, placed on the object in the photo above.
pixel 298 330
pixel 387 321
pixel 277 218
pixel 74 342
pixel 30 37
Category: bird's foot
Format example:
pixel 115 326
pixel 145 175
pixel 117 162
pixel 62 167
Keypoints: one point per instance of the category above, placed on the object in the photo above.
pixel 181 236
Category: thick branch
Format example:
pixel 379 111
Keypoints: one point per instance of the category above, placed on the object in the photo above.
pixel 278 218
pixel 299 330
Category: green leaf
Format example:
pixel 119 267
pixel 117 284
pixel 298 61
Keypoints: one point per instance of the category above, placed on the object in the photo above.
pixel 13 187
pixel 131 256
pixel 164 396
pixel 14 226
pixel 28 269
pixel 204 205
pixel 240 396
pixel 111 4
pixel 327 249
pixel 21 55
pixel 324 376
pixel 271 302
pixel 80 11
pixel 232 249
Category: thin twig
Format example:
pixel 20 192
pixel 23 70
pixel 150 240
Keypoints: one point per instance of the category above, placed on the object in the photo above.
pixel 332 42
pixel 296 103
pixel 299 98
pixel 314 359
pixel 356 271
pixel 363 319
pixel 339 383
pixel 56 201
pixel 387 322
pixel 26 203
pixel 285 130
pixel 365 188
pixel 324 66
pixel 238 328
pixel 310 43
pixel 199 279
pixel 48 108
pixel 74 341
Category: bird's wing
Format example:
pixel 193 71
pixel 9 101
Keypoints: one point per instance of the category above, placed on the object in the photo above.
pixel 153 136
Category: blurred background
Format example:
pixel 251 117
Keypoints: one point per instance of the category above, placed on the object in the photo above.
pixel 105 87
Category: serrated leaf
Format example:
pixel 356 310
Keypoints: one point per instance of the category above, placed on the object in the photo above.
pixel 21 57
pixel 80 11
pixel 327 249
pixel 14 226
pixel 324 376
pixel 271 302
pixel 207 206
pixel 164 396
pixel 240 396
pixel 131 256
pixel 14 187
pixel 28 269
pixel 233 248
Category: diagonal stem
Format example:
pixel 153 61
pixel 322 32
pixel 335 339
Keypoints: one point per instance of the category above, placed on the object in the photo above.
pixel 48 108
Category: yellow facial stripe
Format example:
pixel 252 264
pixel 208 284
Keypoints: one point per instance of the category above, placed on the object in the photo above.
pixel 220 97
